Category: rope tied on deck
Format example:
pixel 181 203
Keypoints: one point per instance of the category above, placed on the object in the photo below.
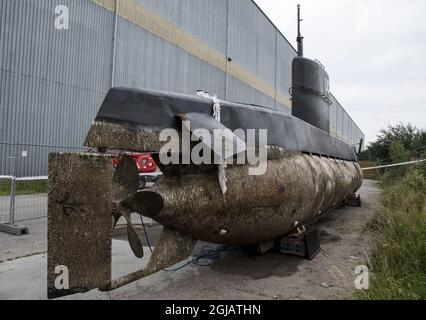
pixel 216 114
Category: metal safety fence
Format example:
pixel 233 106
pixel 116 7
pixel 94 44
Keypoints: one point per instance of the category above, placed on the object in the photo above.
pixel 24 181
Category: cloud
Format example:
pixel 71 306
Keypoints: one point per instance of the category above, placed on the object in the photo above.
pixel 373 50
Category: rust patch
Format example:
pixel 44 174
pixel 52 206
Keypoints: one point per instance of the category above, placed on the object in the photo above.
pixel 79 221
pixel 173 248
pixel 121 137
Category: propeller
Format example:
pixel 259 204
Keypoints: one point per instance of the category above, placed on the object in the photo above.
pixel 124 186
pixel 147 202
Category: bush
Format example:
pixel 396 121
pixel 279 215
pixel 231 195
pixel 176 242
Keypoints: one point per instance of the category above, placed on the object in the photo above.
pixel 422 165
pixel 398 153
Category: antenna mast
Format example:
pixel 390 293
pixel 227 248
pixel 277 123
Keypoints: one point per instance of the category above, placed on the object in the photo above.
pixel 299 35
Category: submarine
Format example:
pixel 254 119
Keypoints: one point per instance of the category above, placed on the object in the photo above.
pixel 308 172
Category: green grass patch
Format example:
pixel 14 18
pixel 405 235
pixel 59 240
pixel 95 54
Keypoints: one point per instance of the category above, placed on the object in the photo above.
pixel 398 265
pixel 24 187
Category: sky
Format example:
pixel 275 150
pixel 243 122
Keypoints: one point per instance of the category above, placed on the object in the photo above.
pixel 373 50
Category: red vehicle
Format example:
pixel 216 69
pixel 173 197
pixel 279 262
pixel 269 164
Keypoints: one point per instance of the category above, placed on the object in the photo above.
pixel 146 166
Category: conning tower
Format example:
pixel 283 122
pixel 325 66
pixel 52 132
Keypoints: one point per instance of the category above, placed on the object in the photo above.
pixel 310 88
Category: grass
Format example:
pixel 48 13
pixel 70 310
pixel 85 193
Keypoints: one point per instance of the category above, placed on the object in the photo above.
pixel 24 187
pixel 398 265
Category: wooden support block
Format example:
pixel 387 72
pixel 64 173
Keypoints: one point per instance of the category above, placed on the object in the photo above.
pixel 79 223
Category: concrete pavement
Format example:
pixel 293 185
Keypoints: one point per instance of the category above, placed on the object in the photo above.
pixel 26 207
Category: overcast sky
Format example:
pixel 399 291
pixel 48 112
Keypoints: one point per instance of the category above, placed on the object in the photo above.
pixel 374 51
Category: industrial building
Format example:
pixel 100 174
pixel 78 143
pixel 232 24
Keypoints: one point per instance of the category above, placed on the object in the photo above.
pixel 53 80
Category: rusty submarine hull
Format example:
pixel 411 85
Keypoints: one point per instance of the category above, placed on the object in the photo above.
pixel 295 190
pixel 308 172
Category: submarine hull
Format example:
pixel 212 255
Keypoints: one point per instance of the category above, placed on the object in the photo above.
pixel 296 189
pixel 311 173
pixel 308 173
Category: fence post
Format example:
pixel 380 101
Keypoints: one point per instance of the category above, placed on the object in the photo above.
pixel 11 227
pixel 12 201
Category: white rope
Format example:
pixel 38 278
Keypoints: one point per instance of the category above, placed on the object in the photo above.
pixel 216 103
pixel 216 108
pixel 394 165
pixel 216 114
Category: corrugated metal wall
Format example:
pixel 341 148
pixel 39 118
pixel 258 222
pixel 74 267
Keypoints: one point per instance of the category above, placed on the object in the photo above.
pixel 52 82
pixel 342 126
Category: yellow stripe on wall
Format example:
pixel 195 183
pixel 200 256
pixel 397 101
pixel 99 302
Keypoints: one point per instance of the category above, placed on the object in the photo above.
pixel 136 13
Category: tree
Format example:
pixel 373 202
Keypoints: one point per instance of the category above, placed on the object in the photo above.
pixel 410 137
pixel 398 153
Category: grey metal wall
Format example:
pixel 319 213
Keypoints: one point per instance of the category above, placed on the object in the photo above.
pixel 342 125
pixel 52 82
pixel 146 60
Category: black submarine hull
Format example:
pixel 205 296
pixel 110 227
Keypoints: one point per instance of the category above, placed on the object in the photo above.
pixel 131 119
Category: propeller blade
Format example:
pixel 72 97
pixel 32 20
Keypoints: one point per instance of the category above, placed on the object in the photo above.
pixel 125 180
pixel 125 184
pixel 134 240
